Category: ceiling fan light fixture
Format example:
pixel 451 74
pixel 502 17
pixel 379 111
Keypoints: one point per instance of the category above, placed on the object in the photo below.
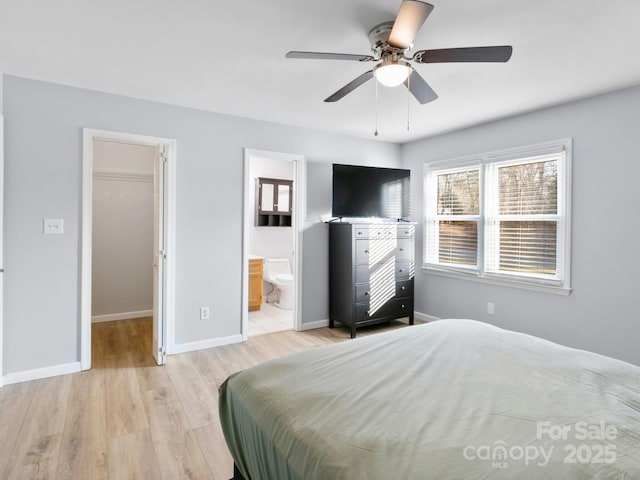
pixel 392 73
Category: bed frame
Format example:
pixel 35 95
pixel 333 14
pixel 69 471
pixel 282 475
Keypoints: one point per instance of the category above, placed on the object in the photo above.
pixel 236 473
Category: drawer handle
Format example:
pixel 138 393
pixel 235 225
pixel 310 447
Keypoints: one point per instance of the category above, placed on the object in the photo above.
pixel 402 288
pixel 402 306
pixel 367 313
pixel 402 249
pixel 366 294
pixel 359 233
pixel 366 251
pixel 401 270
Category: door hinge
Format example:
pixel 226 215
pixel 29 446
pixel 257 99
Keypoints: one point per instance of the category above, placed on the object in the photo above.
pixel 163 254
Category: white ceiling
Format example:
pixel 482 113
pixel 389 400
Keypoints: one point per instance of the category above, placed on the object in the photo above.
pixel 228 56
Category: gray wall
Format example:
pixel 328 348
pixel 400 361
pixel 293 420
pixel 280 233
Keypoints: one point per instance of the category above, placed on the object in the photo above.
pixel 43 125
pixel 601 314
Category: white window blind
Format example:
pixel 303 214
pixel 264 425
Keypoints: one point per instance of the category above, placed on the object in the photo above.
pixel 503 216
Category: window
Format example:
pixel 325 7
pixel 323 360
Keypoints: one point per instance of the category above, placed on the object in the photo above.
pixel 503 217
pixel 453 223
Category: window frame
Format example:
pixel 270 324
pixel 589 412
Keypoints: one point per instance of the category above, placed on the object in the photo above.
pixel 562 285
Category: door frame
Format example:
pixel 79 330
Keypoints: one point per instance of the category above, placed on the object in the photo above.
pixel 1 234
pixel 298 218
pixel 89 135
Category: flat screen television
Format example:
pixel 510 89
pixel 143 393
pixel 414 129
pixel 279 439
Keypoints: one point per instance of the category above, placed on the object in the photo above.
pixel 370 192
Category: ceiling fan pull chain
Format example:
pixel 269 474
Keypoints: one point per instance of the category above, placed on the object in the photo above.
pixel 375 134
pixel 408 99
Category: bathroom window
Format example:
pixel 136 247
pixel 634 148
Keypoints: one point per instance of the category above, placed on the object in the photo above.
pixel 273 202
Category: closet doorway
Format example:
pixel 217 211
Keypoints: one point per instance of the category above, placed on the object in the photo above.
pixel 274 186
pixel 127 237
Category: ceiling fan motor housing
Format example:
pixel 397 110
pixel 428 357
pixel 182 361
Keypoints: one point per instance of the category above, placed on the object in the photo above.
pixel 379 35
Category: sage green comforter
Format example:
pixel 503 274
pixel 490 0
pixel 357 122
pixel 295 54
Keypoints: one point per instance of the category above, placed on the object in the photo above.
pixel 452 399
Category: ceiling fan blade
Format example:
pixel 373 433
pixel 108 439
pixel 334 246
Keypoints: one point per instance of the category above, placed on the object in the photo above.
pixel 330 56
pixel 410 18
pixel 470 54
pixel 420 89
pixel 350 87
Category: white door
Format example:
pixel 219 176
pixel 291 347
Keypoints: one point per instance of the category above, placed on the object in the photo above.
pixel 159 253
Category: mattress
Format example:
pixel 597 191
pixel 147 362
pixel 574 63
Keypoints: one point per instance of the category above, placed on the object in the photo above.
pixel 452 399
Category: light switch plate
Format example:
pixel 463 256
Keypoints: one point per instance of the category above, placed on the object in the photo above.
pixel 53 226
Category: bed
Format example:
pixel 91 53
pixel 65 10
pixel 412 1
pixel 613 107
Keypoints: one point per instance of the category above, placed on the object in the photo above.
pixel 452 399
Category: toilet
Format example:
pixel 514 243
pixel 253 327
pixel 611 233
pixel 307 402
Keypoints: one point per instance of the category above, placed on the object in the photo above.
pixel 278 272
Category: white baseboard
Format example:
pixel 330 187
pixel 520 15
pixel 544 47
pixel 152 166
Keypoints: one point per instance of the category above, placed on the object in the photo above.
pixel 38 373
pixel 202 344
pixel 314 325
pixel 424 317
pixel 112 317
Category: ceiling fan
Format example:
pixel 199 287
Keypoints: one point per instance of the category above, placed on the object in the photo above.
pixel 391 43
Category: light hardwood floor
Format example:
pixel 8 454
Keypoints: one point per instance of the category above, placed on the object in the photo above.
pixel 127 418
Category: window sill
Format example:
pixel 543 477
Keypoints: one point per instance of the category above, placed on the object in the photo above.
pixel 474 277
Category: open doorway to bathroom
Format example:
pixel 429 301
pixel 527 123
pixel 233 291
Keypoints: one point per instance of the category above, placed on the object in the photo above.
pixel 271 240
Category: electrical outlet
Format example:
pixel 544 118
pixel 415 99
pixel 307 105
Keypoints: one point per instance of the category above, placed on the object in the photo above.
pixel 491 308
pixel 205 313
pixel 53 226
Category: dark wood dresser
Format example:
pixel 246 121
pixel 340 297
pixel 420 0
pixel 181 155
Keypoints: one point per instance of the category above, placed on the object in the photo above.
pixel 371 270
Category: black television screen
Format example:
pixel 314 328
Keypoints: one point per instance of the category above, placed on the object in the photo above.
pixel 370 192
